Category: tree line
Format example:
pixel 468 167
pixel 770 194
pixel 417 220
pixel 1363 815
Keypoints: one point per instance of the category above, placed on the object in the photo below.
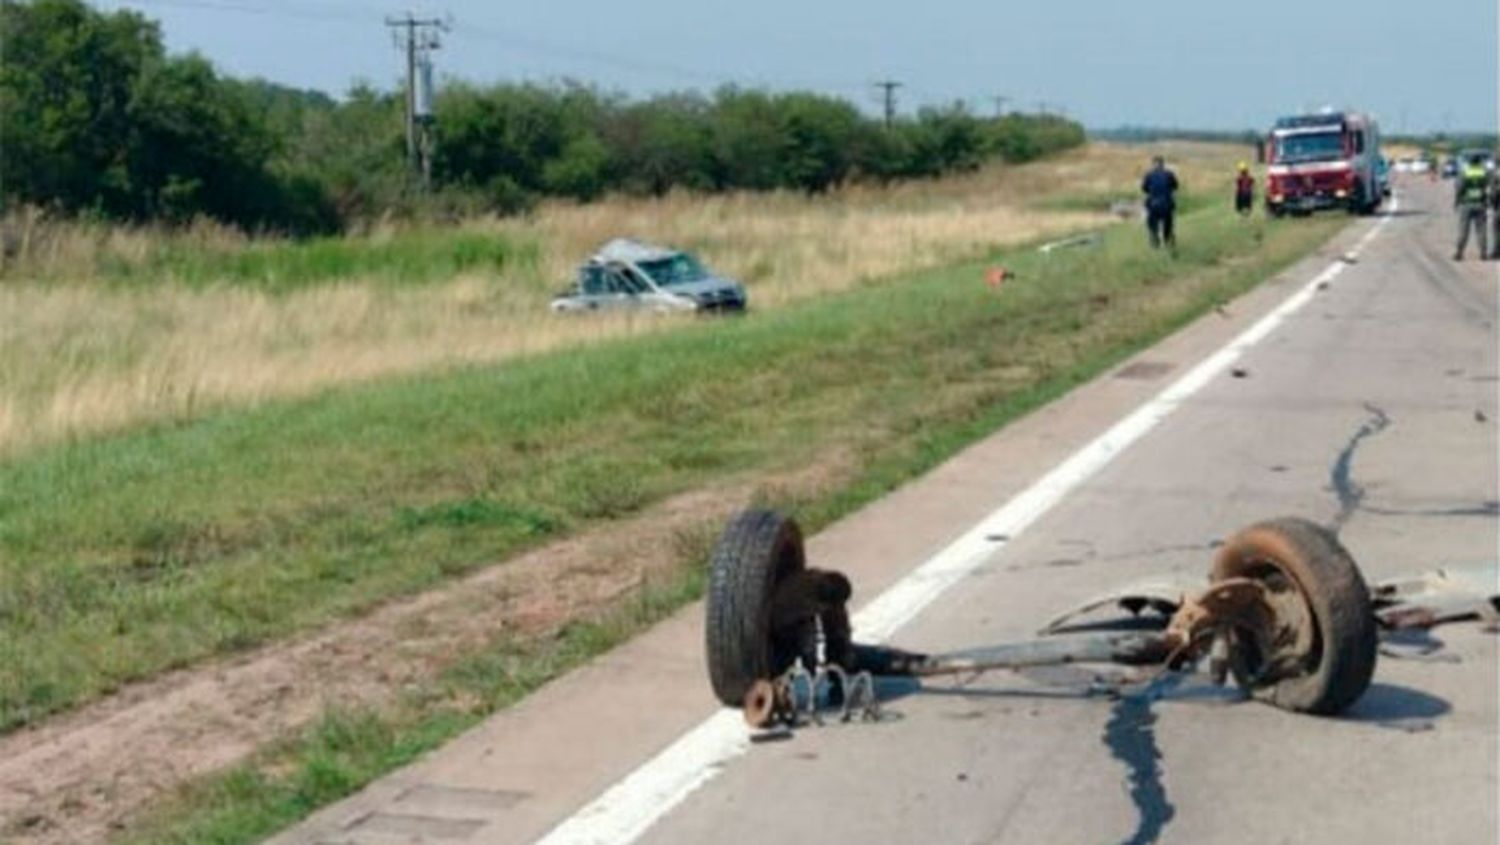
pixel 97 119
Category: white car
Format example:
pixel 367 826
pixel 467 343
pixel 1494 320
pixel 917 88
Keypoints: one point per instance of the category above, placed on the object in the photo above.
pixel 630 275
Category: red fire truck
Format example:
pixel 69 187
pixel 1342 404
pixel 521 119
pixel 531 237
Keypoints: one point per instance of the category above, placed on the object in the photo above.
pixel 1324 160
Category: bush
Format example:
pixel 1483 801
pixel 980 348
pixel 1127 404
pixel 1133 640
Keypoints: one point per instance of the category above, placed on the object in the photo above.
pixel 96 119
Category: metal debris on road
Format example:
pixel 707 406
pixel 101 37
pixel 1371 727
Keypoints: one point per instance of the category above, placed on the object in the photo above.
pixel 1286 614
pixel 1086 239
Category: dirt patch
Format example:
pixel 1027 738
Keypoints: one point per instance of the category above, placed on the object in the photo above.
pixel 81 776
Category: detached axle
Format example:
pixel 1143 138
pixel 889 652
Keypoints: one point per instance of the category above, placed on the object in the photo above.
pixel 1286 612
pixel 1131 649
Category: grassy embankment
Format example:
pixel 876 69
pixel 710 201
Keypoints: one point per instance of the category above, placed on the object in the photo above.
pixel 127 555
pixel 104 327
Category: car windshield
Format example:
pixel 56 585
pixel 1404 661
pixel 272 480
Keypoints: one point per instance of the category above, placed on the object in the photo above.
pixel 1311 146
pixel 679 269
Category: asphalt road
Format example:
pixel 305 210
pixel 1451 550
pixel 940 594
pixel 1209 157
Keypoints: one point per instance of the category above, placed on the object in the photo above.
pixel 1371 407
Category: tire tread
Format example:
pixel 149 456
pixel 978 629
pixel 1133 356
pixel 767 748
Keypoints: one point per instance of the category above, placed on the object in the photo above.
pixel 1339 599
pixel 757 549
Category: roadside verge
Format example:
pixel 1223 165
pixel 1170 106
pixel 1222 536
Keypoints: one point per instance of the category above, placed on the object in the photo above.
pixel 889 381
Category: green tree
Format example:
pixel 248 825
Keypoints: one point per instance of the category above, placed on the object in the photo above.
pixel 818 139
pixel 663 143
pixel 66 79
pixel 745 140
pixel 95 117
pixel 509 131
pixel 194 147
pixel 581 169
pixel 356 152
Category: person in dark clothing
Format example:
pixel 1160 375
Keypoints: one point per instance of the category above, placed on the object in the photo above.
pixel 1494 196
pixel 1160 188
pixel 1244 190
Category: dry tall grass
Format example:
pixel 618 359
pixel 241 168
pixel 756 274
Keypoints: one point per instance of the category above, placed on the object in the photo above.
pixel 77 357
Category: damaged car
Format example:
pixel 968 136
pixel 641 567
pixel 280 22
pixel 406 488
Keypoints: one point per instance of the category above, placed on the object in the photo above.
pixel 629 275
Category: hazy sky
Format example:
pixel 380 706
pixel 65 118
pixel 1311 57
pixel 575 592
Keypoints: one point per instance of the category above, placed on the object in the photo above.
pixel 1199 63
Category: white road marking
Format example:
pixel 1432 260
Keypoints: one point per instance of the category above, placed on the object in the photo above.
pixel 630 807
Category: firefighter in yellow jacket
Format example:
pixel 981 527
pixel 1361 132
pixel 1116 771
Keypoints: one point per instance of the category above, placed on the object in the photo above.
pixel 1494 209
pixel 1471 199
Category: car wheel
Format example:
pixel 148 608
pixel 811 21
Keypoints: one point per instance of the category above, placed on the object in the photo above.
pixel 758 550
pixel 1321 656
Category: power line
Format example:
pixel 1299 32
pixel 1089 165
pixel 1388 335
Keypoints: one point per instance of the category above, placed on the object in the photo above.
pixel 333 12
pixel 532 44
pixel 525 42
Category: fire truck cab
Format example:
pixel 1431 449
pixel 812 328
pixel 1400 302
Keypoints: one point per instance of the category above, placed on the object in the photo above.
pixel 1324 160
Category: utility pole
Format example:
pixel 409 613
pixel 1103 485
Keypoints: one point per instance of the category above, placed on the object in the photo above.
pixel 1000 105
pixel 419 39
pixel 889 86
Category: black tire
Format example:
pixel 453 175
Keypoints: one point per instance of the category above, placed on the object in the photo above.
pixel 1306 557
pixel 1357 202
pixel 758 550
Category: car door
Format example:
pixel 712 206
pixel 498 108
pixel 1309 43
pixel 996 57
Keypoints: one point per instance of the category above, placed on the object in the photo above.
pixel 606 288
pixel 593 290
pixel 622 290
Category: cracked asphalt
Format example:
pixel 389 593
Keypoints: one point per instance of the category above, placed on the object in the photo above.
pixel 1371 410
pixel 1359 413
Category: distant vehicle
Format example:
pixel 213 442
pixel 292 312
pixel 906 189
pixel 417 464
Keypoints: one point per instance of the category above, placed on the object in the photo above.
pixel 1480 155
pixel 1450 168
pixel 628 275
pixel 1320 161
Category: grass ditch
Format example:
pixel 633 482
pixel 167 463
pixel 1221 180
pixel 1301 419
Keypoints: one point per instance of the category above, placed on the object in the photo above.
pixel 971 369
pixel 103 328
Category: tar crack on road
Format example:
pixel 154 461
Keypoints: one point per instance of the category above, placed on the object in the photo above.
pixel 1131 737
pixel 1349 493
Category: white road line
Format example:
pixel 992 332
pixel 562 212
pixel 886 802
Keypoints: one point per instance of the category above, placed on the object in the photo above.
pixel 630 807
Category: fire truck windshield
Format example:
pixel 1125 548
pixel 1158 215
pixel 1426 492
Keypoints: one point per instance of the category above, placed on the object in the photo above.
pixel 1310 146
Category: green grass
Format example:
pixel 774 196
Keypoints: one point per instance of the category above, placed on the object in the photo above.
pixel 1097 201
pixel 126 556
pixel 407 257
pixel 907 373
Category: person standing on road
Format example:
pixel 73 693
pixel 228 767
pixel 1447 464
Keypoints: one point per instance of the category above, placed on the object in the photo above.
pixel 1494 196
pixel 1160 188
pixel 1244 190
pixel 1471 200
